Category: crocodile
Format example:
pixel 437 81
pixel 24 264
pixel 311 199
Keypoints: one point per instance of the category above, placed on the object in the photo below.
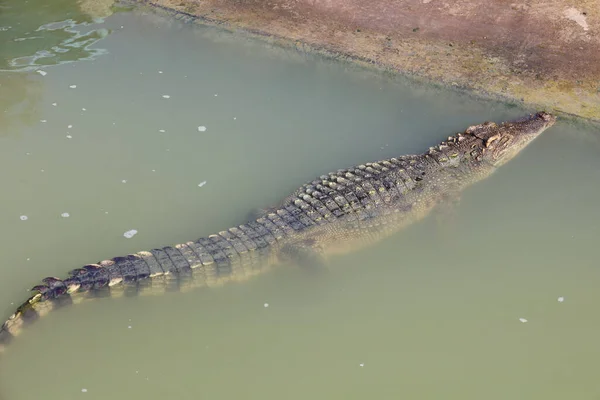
pixel 336 213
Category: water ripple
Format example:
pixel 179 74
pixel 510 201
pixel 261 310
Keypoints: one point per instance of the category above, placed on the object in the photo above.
pixel 39 34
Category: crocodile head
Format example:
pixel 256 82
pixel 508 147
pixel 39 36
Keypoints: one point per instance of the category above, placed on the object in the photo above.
pixel 498 144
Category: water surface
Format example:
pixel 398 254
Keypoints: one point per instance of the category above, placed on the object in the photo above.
pixel 432 312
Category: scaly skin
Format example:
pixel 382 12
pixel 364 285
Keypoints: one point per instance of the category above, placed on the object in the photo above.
pixel 336 213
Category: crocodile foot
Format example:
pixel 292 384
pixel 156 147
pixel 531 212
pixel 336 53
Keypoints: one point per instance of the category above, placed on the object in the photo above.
pixel 306 256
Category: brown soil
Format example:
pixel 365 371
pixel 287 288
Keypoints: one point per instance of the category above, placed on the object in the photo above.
pixel 546 54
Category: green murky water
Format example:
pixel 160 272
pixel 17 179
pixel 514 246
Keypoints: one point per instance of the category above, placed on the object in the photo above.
pixel 430 313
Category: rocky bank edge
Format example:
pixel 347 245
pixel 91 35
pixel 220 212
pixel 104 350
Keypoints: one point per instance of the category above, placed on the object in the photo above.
pixel 545 55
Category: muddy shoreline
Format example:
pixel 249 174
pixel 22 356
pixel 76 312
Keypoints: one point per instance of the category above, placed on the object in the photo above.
pixel 544 57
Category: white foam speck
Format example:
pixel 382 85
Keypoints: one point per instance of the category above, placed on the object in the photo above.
pixel 28 259
pixel 73 86
pixel 523 320
pixel 153 170
pixel 166 96
pixel 84 390
pixel 42 73
pixel 202 128
pixel 83 109
pixel 23 218
pixel 105 212
pixel 65 215
pixel 561 299
pixel 27 154
pixel 124 181
pixel 361 365
pixel 266 305
pixel 216 94
pixel 43 120
pixel 234 118
pixel 41 170
pixel 160 72
pixel 202 184
pixel 69 126
pixel 69 137
pixel 54 104
pixel 129 327
pixel 161 130
pixel 130 234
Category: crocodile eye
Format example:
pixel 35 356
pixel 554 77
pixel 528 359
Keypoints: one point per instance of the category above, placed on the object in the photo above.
pixel 491 140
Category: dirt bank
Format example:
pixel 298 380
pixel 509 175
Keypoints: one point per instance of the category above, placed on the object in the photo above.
pixel 542 53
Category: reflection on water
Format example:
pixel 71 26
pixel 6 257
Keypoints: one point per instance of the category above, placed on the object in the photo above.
pixel 53 32
pixel 20 96
pixel 96 8
pixel 36 34
pixel 432 313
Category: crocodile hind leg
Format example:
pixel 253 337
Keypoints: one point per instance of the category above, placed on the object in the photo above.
pixel 257 213
pixel 446 216
pixel 305 255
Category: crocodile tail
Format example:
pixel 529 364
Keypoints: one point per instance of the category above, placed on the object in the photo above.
pixel 116 277
pixel 45 299
pixel 52 294
pixel 173 268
